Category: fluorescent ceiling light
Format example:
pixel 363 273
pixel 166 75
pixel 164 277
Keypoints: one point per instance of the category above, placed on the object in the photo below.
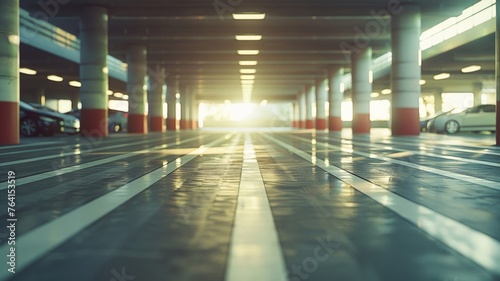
pixel 471 68
pixel 27 71
pixel 375 95
pixel 118 95
pixel 248 37
pixel 125 97
pixel 248 71
pixel 441 76
pixel 248 62
pixel 386 91
pixel 55 78
pixel 110 92
pixel 263 103
pixel 249 16
pixel 75 84
pixel 247 77
pixel 248 52
pixel 422 82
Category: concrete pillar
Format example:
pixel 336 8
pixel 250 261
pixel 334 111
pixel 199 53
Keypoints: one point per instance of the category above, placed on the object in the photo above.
pixel 137 67
pixel 94 71
pixel 361 90
pixel 310 100
pixel 171 101
pixel 194 110
pixel 302 109
pixel 438 100
pixel 184 101
pixel 321 97
pixel 335 98
pixel 296 113
pixel 497 73
pixel 156 99
pixel 405 31
pixel 9 72
pixel 477 90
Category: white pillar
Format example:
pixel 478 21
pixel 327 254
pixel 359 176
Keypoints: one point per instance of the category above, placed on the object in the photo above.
pixel 137 66
pixel 335 98
pixel 310 100
pixel 405 31
pixel 171 103
pixel 156 99
pixel 361 90
pixel 302 109
pixel 321 97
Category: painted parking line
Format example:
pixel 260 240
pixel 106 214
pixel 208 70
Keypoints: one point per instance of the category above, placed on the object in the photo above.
pixel 255 252
pixel 470 179
pixel 472 244
pixel 60 172
pixel 13 146
pixel 38 242
pixel 419 152
pixel 76 152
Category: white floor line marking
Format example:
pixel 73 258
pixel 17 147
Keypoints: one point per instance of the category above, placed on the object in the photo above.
pixel 474 245
pixel 76 152
pixel 255 251
pixel 60 172
pixel 430 154
pixel 41 240
pixel 470 179
pixel 29 144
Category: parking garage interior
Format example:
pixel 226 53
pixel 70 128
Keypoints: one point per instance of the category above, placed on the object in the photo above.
pixel 259 140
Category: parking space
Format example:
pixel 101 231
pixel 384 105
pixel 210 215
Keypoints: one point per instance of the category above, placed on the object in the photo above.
pixel 254 205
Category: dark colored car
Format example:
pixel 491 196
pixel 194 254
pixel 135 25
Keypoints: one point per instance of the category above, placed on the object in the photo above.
pixel 71 123
pixel 33 122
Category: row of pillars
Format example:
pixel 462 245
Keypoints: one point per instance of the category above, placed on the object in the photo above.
pixel 405 78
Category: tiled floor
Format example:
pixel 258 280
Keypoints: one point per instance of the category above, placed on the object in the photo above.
pixel 250 205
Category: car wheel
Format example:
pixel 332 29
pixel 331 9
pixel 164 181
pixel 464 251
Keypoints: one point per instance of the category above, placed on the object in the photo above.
pixel 452 127
pixel 28 127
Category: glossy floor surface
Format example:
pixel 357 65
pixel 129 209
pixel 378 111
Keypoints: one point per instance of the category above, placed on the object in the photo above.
pixel 254 205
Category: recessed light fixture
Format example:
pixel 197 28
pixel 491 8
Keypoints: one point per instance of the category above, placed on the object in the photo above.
pixel 471 68
pixel 386 91
pixel 249 16
pixel 248 62
pixel 442 76
pixel 27 71
pixel 248 52
pixel 247 77
pixel 76 84
pixel 248 71
pixel 263 103
pixel 125 97
pixel 422 82
pixel 110 92
pixel 118 95
pixel 55 78
pixel 248 37
pixel 374 95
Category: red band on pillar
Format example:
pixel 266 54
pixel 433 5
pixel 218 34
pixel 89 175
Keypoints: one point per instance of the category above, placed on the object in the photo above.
pixel 183 124
pixel 137 124
pixel 335 123
pixel 171 124
pixel 405 122
pixel 361 123
pixel 194 124
pixel 9 114
pixel 309 124
pixel 320 124
pixel 156 123
pixel 302 124
pixel 94 122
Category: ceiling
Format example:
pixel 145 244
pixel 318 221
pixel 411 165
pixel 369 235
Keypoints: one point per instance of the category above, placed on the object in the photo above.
pixel 196 43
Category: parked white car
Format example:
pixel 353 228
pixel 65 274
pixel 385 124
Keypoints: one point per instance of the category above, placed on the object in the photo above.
pixel 71 124
pixel 478 118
